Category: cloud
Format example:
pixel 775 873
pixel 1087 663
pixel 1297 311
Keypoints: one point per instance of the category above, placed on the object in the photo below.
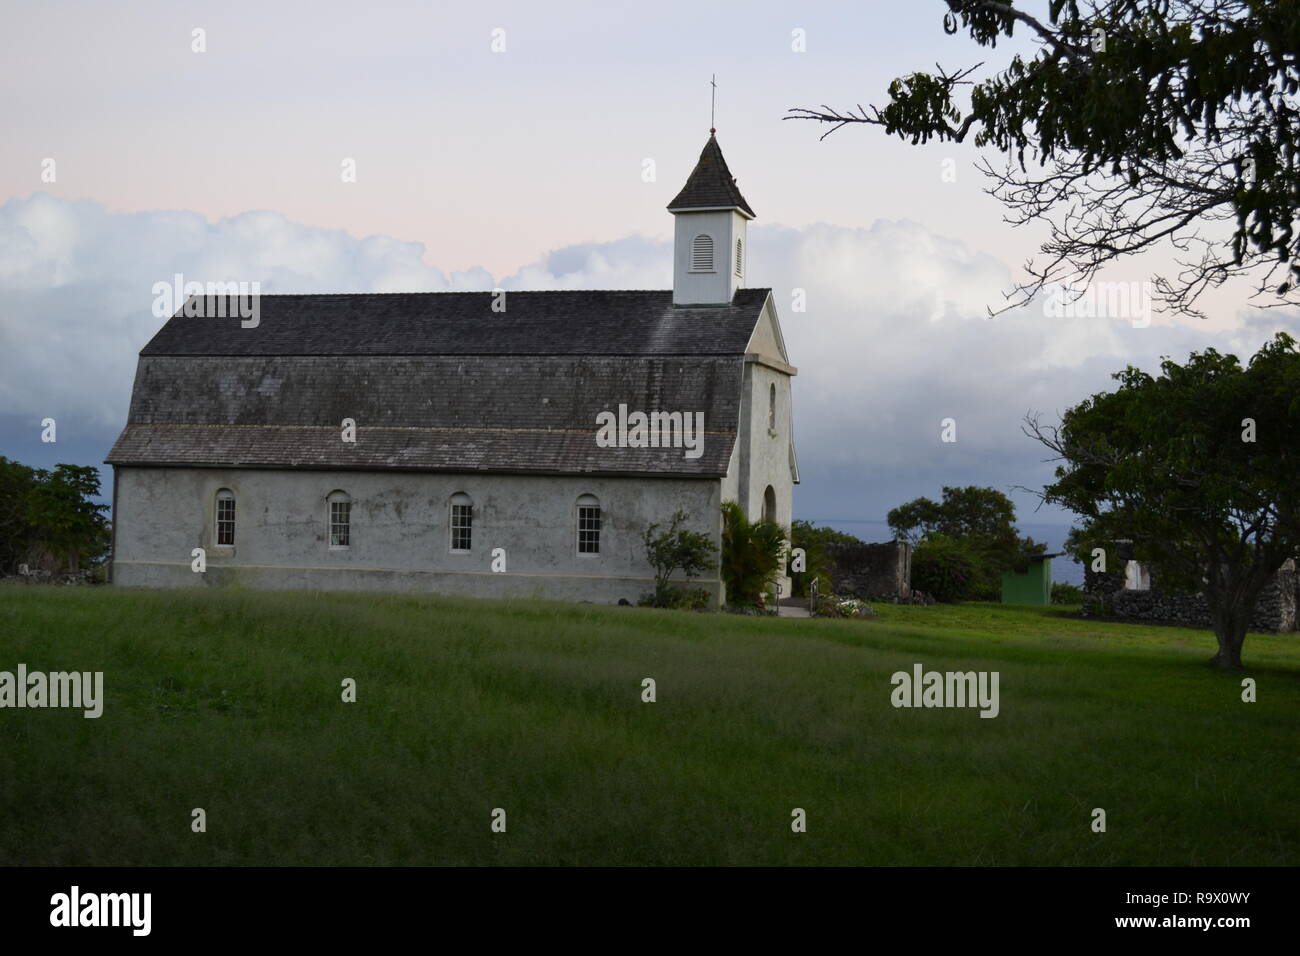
pixel 894 339
pixel 76 286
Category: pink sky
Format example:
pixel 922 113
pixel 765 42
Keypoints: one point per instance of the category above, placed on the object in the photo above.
pixel 488 159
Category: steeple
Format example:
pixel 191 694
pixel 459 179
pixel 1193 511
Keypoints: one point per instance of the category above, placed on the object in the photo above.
pixel 711 185
pixel 709 239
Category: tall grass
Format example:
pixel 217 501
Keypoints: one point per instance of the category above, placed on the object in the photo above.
pixel 230 701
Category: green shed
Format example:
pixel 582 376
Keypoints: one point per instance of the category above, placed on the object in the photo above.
pixel 1032 585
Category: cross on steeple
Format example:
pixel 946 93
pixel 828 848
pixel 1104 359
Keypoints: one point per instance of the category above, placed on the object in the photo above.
pixel 713 102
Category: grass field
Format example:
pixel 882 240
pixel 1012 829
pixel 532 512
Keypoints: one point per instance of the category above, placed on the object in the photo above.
pixel 230 701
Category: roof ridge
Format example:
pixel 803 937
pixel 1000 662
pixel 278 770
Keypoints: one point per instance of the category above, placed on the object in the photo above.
pixel 551 322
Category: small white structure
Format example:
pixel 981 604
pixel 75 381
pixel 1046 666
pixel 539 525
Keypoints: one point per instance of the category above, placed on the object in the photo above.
pixel 1136 577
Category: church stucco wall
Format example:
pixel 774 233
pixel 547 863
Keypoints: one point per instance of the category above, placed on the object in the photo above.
pixel 399 531
pixel 769 450
pixel 762 457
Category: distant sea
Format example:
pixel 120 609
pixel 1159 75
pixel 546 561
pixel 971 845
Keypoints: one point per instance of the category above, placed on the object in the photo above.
pixel 1064 568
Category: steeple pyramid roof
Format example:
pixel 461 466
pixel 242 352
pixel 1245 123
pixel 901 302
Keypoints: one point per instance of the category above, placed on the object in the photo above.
pixel 711 185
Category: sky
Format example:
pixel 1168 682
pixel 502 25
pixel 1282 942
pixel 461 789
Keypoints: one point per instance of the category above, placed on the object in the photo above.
pixel 524 166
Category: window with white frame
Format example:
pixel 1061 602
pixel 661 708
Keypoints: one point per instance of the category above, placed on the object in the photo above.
pixel 340 516
pixel 226 517
pixel 588 525
pixel 1136 577
pixel 702 253
pixel 462 522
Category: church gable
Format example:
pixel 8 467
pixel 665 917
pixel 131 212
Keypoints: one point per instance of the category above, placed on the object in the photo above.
pixel 766 340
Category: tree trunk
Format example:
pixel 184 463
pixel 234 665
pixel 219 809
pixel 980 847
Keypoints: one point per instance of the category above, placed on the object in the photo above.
pixel 1231 595
pixel 1231 637
pixel 1231 619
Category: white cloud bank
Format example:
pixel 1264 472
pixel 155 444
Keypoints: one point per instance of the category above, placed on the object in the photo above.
pixel 894 338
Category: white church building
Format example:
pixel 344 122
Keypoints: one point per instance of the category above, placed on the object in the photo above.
pixel 478 443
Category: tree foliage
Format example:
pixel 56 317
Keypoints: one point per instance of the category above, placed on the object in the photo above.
pixel 1136 123
pixel 17 481
pixel 48 517
pixel 751 555
pixel 1063 593
pixel 945 568
pixel 676 549
pixel 982 521
pixel 815 543
pixel 1199 467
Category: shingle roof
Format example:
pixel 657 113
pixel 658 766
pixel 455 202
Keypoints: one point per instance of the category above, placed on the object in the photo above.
pixel 711 185
pixel 439 382
pixel 435 413
pixel 410 449
pixel 464 323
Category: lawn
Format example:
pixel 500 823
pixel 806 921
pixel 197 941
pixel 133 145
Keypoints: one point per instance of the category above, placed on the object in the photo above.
pixel 230 701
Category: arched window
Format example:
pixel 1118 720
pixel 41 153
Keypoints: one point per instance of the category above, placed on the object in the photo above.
pixel 702 253
pixel 462 522
pixel 340 519
pixel 588 525
pixel 771 408
pixel 226 517
pixel 769 505
pixel 740 259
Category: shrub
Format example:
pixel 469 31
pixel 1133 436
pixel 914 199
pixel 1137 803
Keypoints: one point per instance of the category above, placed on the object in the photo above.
pixel 1063 593
pixel 751 555
pixel 676 549
pixel 678 599
pixel 944 568
pixel 833 606
pixel 815 543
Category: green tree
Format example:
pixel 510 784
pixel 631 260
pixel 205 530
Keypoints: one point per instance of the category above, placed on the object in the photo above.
pixel 1136 123
pixel 944 568
pixel 676 549
pixel 983 520
pixel 751 555
pixel 815 543
pixel 64 517
pixel 1199 467
pixel 17 482
pixel 915 519
pixel 1063 593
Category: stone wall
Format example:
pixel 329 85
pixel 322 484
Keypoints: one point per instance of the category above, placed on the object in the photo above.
pixel 1104 596
pixel 872 572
